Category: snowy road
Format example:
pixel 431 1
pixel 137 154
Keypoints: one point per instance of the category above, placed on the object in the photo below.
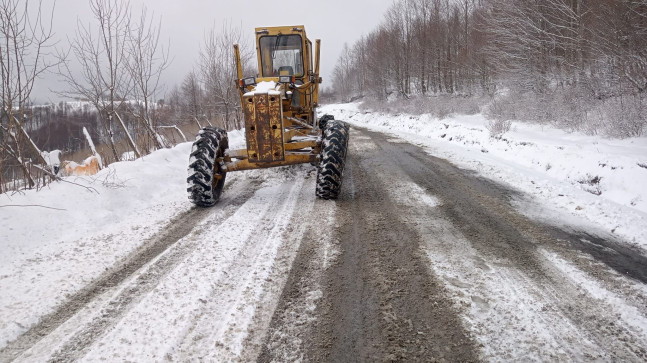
pixel 417 260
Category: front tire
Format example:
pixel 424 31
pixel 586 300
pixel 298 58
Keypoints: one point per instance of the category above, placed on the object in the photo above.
pixel 206 177
pixel 333 158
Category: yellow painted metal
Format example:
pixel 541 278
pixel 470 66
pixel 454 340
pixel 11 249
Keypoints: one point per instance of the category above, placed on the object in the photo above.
pixel 239 67
pixel 264 126
pixel 291 146
pixel 308 91
pixel 315 92
pixel 300 145
pixel 235 154
pixel 317 55
pixel 290 159
pixel 289 134
pixel 274 31
pixel 274 118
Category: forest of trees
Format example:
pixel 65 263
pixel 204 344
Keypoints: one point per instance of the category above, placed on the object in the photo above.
pixel 581 64
pixel 112 68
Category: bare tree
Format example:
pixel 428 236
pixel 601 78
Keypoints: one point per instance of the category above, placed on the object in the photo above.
pixel 342 74
pixel 218 71
pixel 26 41
pixel 102 56
pixel 146 63
pixel 634 55
pixel 191 99
pixel 567 58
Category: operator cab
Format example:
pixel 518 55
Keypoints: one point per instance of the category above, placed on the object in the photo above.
pixel 281 55
pixel 284 54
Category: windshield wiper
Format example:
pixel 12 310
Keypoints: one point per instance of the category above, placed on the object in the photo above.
pixel 276 45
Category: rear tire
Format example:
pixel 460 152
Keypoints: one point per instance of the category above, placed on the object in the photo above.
pixel 333 158
pixel 324 119
pixel 206 178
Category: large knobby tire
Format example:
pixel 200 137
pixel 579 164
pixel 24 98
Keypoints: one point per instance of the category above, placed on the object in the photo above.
pixel 206 178
pixel 333 157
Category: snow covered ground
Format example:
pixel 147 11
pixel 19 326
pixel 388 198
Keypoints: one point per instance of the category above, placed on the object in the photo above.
pixel 62 237
pixel 587 181
pixel 56 241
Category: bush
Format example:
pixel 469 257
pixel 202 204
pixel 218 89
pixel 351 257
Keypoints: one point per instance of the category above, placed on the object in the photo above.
pixel 440 106
pixel 502 109
pixel 573 109
pixel 625 116
pixel 498 127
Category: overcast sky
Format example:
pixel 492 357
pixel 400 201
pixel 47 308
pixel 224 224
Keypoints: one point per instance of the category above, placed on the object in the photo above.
pixel 184 23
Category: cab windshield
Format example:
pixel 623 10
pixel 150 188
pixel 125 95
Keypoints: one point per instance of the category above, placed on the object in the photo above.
pixel 281 55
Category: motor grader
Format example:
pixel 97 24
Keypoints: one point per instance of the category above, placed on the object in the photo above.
pixel 281 125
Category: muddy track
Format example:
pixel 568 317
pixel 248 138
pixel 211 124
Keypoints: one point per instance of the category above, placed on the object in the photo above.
pixel 480 211
pixel 381 301
pixel 177 228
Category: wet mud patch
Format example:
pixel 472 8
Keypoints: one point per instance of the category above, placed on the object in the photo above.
pixel 380 301
pixel 624 259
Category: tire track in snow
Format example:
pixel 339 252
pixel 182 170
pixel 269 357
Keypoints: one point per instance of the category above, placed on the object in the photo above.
pixel 517 302
pixel 213 303
pixel 150 250
pixel 380 302
pixel 219 332
pixel 286 338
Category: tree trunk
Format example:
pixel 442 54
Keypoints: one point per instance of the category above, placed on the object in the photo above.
pixel 107 125
pixel 129 139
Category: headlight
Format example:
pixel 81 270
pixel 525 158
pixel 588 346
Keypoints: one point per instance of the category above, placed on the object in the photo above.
pixel 249 81
pixel 286 79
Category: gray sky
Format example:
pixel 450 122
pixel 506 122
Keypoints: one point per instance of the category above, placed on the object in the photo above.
pixel 184 23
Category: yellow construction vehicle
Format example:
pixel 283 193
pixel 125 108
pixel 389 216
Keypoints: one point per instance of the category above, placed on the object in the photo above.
pixel 281 125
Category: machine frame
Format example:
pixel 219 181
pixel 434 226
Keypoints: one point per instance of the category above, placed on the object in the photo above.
pixel 281 127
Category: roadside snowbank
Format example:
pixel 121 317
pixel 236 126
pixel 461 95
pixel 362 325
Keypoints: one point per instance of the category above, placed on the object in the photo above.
pixel 64 211
pixel 56 240
pixel 573 178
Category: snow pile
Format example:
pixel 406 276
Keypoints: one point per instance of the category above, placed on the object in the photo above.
pixel 115 194
pixel 94 150
pixel 576 179
pixel 264 87
pixel 122 192
pixel 53 158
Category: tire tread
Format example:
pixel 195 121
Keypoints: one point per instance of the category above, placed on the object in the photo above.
pixel 333 158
